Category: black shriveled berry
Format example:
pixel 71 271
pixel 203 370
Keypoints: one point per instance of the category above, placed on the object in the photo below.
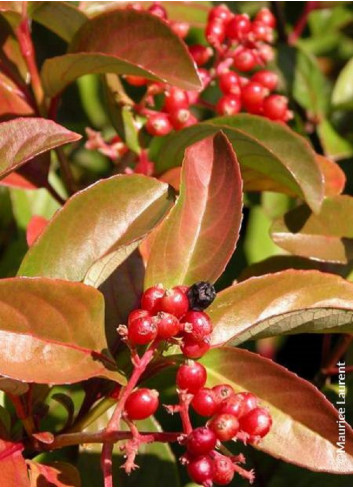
pixel 201 295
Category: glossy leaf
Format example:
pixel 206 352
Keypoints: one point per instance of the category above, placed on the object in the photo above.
pixel 198 237
pixel 14 387
pixel 24 138
pixel 12 100
pixel 305 429
pixel 52 332
pixel 335 178
pixel 97 229
pixel 269 148
pixel 111 43
pixel 13 470
pixel 280 303
pixel 58 474
pixel 342 94
pixel 327 236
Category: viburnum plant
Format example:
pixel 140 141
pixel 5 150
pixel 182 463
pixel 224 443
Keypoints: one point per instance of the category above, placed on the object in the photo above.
pixel 203 211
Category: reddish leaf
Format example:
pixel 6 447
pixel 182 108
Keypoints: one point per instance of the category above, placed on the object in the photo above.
pixel 35 228
pixel 58 474
pixel 15 180
pixel 335 178
pixel 305 428
pixel 199 235
pixel 13 470
pixel 12 100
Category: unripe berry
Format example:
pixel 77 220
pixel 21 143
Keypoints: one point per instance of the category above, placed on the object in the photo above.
pixel 229 105
pixel 195 349
pixel 175 99
pixel 238 27
pixel 137 313
pixel 215 32
pixel 142 331
pixel 267 78
pixel 200 470
pixel 191 377
pixel 253 96
pixel 150 299
pixel 136 81
pixel 266 17
pixel 157 10
pixel 244 60
pixel 196 325
pixel 201 54
pixel 256 423
pixel 222 392
pixel 225 426
pixel 223 470
pixel 167 325
pixel 220 12
pixel 158 124
pixel 229 83
pixel 201 441
pixel 204 402
pixel 141 404
pixel 275 107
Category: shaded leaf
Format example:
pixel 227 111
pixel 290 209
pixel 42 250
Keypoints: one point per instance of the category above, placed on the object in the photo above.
pixel 58 474
pixel 335 145
pixel 111 43
pixel 287 302
pixel 327 236
pixel 24 138
pixel 98 237
pixel 13 470
pixel 305 429
pixel 342 94
pixel 56 329
pixel 14 387
pixel 185 249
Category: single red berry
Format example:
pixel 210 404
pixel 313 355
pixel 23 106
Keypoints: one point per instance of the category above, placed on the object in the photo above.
pixel 267 78
pixel 157 10
pixel 220 12
pixel 142 331
pixel 200 470
pixel 201 54
pixel 257 422
pixel 204 402
pixel 253 96
pixel 250 402
pixel 167 325
pixel 244 59
pixel 158 124
pixel 223 470
pixel 136 81
pixel 238 27
pixel 266 53
pixel 234 405
pixel 275 107
pixel 195 349
pixel 175 99
pixel 175 301
pixel 222 392
pixel 137 313
pixel 181 29
pixel 261 32
pixel 191 377
pixel 229 105
pixel 215 32
pixel 150 299
pixel 196 325
pixel 201 441
pixel 225 426
pixel 182 118
pixel 142 403
pixel 266 17
pixel 229 83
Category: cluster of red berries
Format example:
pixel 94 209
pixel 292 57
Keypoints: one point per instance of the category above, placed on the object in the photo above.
pixel 233 416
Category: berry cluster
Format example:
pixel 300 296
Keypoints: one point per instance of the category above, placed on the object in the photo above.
pixel 233 416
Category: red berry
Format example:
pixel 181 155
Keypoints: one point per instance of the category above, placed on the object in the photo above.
pixel 175 301
pixel 142 331
pixel 201 54
pixel 196 325
pixel 201 441
pixel 266 17
pixel 215 32
pixel 233 405
pixel 220 12
pixel 195 349
pixel 261 32
pixel 275 107
pixel 158 124
pixel 137 313
pixel 267 78
pixel 266 53
pixel 200 470
pixel 175 99
pixel 238 27
pixel 141 403
pixel 229 83
pixel 229 105
pixel 181 29
pixel 182 118
pixel 136 81
pixel 150 299
pixel 204 402
pixel 191 377
pixel 253 96
pixel 257 422
pixel 244 60
pixel 223 470
pixel 222 392
pixel 167 325
pixel 225 426
pixel 250 402
pixel 157 10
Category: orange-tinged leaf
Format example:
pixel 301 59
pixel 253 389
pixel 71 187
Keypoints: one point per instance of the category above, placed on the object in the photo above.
pixel 13 469
pixel 58 474
pixel 35 228
pixel 335 178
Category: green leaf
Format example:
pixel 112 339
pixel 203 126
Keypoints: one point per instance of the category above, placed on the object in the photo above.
pixel 289 302
pixel 342 95
pixel 198 237
pixel 327 236
pixel 270 148
pixel 111 43
pixel 22 139
pixel 13 469
pixel 335 145
pixel 97 229
pixel 53 332
pixel 305 429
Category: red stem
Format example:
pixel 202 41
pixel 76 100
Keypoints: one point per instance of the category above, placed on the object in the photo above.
pixel 184 404
pixel 302 21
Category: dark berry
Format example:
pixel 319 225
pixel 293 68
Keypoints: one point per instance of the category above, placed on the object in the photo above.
pixel 195 349
pixel 201 295
pixel 175 99
pixel 222 392
pixel 201 441
pixel 225 426
pixel 196 325
pixel 200 470
pixel 141 404
pixel 150 299
pixel 253 96
pixel 229 83
pixel 238 27
pixel 229 105
pixel 201 54
pixel 275 107
pixel 158 124
pixel 142 331
pixel 191 377
pixel 137 313
pixel 266 17
pixel 267 78
pixel 167 325
pixel 157 10
pixel 257 422
pixel 244 59
pixel 215 32
pixel 204 402
pixel 223 470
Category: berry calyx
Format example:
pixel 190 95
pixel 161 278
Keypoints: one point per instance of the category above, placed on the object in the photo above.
pixel 150 299
pixel 228 105
pixel 195 349
pixel 201 441
pixel 191 377
pixel 204 402
pixel 225 426
pixel 201 54
pixel 222 392
pixel 158 124
pixel 275 107
pixel 201 295
pixel 141 404
pixel 175 301
pixel 253 96
pixel 267 78
pixel 200 470
pixel 167 325
pixel 223 470
pixel 175 99
pixel 142 331
pixel 229 83
pixel 256 423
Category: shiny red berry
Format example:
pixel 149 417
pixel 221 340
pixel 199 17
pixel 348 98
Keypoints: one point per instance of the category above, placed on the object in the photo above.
pixel 238 27
pixel 204 402
pixel 225 426
pixel 137 313
pixel 223 470
pixel 244 60
pixel 215 32
pixel 261 32
pixel 141 404
pixel 200 470
pixel 191 377
pixel 257 422
pixel 150 299
pixel 266 17
pixel 250 402
pixel 158 124
pixel 253 96
pixel 229 105
pixel 201 441
pixel 175 301
pixel 157 10
pixel 234 405
pixel 222 392
pixel 267 78
pixel 182 118
pixel 175 99
pixel 201 54
pixel 167 325
pixel 196 325
pixel 181 29
pixel 229 83
pixel 220 12
pixel 142 331
pixel 275 107
pixel 195 349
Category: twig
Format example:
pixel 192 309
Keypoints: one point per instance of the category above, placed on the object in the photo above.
pixel 302 21
pixel 277 10
pixel 66 171
pixel 54 193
